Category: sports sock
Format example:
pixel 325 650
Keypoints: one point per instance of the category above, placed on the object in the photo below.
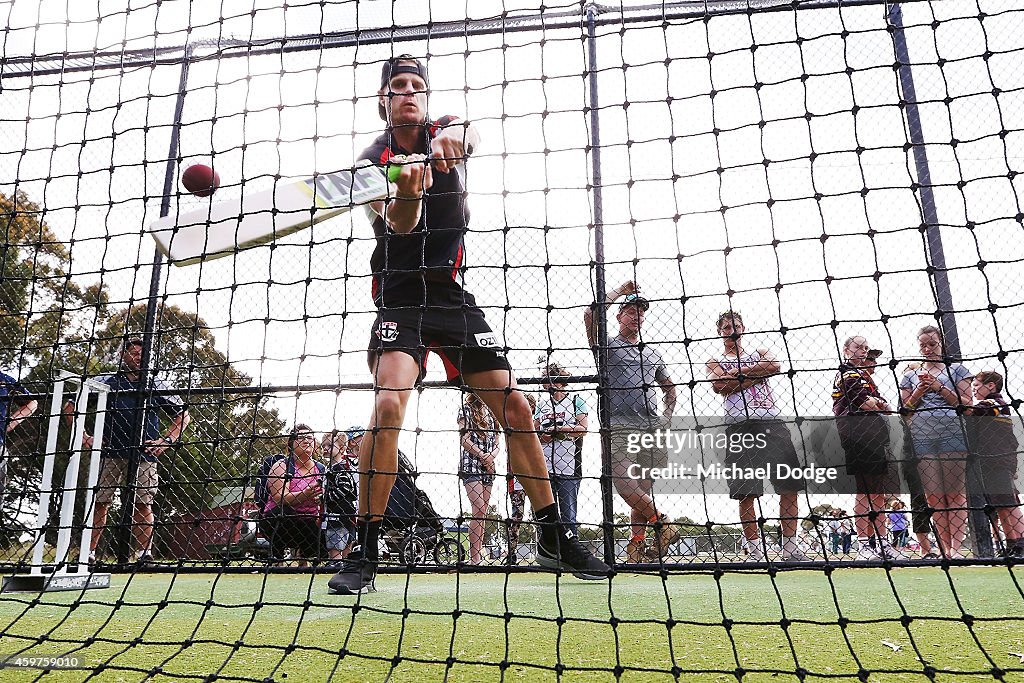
pixel 547 518
pixel 367 536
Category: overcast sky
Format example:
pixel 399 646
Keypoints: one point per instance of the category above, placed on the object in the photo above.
pixel 293 114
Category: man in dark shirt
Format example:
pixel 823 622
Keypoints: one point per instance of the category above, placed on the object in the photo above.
pixel 120 428
pixel 864 435
pixel 993 443
pixel 417 287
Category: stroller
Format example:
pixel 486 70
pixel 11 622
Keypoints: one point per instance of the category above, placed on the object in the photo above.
pixel 411 530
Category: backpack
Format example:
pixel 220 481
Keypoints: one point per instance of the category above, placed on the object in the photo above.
pixel 261 489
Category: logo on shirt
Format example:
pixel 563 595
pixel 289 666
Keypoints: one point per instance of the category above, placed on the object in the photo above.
pixel 387 331
pixel 489 340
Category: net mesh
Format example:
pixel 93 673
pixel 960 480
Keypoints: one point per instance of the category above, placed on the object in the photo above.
pixel 825 169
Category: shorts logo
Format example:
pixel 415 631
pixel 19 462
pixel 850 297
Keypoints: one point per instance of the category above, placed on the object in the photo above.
pixel 489 340
pixel 388 331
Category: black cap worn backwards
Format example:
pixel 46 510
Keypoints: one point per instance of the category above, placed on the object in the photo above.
pixel 400 65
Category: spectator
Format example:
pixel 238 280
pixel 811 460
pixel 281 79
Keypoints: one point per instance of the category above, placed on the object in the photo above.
pixel 864 435
pixel 899 525
pixel 920 513
pixel 835 531
pixel 846 531
pixel 120 445
pixel 742 379
pixel 340 495
pixel 561 421
pixel 479 440
pixel 291 517
pixel 517 501
pixel 993 443
pixel 635 373
pixel 933 395
pixel 355 438
pixel 10 389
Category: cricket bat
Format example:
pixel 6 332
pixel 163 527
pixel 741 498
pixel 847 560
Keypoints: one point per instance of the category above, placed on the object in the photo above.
pixel 222 228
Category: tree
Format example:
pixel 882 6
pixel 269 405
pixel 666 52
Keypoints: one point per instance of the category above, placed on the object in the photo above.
pixel 42 307
pixel 43 312
pixel 50 320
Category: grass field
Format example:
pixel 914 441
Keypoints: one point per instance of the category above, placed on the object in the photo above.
pixel 165 621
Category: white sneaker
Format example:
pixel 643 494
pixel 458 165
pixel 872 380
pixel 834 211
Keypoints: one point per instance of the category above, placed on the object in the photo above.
pixel 890 553
pixel 791 552
pixel 867 554
pixel 755 554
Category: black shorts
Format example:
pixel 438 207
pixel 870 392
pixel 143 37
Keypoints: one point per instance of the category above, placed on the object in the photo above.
pixel 778 450
pixel 298 532
pixel 998 473
pixel 447 322
pixel 865 458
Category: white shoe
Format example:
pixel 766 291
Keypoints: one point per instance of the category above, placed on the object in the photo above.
pixel 755 554
pixel 791 552
pixel 867 554
pixel 890 553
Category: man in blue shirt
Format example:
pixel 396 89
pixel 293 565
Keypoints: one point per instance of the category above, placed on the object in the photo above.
pixel 9 390
pixel 120 444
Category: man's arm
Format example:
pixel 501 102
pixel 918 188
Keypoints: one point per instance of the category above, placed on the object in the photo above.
pixel 670 398
pixel 768 365
pixel 25 410
pixel 724 382
pixel 853 384
pixel 874 404
pixel 156 447
pixel 401 213
pixel 453 144
pixel 448 149
pixel 668 388
pixel 590 320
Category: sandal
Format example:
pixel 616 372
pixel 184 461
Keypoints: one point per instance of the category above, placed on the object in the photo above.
pixel 930 556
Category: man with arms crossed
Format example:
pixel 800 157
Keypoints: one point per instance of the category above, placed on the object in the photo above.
pixel 417 287
pixel 864 436
pixel 741 378
pixel 634 370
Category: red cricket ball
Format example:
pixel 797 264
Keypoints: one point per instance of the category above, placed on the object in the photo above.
pixel 200 180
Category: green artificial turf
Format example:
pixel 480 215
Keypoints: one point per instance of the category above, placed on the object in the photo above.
pixel 194 625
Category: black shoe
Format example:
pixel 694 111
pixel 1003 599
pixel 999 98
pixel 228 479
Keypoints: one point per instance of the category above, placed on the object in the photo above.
pixel 570 555
pixel 355 576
